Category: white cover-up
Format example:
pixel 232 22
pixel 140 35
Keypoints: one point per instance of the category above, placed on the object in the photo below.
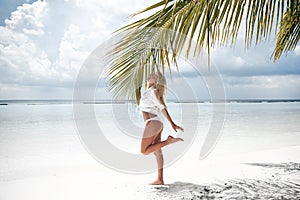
pixel 150 104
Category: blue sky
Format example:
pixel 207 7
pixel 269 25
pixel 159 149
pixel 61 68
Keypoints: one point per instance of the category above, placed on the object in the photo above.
pixel 44 43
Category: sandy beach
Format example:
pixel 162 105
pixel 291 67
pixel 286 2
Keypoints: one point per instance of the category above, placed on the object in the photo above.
pixel 275 174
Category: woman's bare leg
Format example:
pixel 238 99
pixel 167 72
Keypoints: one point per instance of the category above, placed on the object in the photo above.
pixel 150 133
pixel 151 142
pixel 160 163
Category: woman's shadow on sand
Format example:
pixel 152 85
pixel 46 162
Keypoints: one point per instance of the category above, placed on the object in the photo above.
pixel 239 188
pixel 183 190
pixel 234 189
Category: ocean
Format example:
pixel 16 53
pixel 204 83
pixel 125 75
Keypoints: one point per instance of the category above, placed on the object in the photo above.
pixel 29 128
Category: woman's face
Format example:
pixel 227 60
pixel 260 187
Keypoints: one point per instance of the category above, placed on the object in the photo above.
pixel 152 79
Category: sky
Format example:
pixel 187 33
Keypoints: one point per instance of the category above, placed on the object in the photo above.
pixel 43 45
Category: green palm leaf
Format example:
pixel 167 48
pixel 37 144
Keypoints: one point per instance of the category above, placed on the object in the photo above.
pixel 155 42
pixel 289 33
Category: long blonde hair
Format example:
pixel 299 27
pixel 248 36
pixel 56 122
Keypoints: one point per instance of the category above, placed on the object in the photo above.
pixel 160 87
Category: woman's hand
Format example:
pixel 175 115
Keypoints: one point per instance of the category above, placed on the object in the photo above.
pixel 176 127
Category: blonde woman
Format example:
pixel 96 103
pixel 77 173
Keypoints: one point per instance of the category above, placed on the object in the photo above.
pixel 152 105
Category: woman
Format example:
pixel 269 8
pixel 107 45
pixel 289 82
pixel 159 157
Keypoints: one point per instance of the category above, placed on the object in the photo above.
pixel 152 105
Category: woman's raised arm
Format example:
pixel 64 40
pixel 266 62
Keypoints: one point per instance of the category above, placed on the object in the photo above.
pixel 174 126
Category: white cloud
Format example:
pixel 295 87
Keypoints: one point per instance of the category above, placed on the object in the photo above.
pixel 71 52
pixel 67 32
pixel 13 91
pixel 252 81
pixel 262 87
pixel 297 50
pixel 238 61
pixel 28 18
pixel 23 61
pixel 115 6
pixel 8 36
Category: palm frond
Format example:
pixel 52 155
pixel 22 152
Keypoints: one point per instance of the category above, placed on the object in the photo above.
pixel 289 33
pixel 152 43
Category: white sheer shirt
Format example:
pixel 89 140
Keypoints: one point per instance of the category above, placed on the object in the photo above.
pixel 150 104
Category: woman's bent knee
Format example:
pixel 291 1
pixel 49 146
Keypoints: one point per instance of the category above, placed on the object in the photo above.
pixel 144 151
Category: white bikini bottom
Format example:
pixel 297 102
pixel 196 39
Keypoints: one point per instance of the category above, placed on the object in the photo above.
pixel 153 119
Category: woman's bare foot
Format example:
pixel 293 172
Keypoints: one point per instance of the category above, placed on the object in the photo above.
pixel 171 139
pixel 157 182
